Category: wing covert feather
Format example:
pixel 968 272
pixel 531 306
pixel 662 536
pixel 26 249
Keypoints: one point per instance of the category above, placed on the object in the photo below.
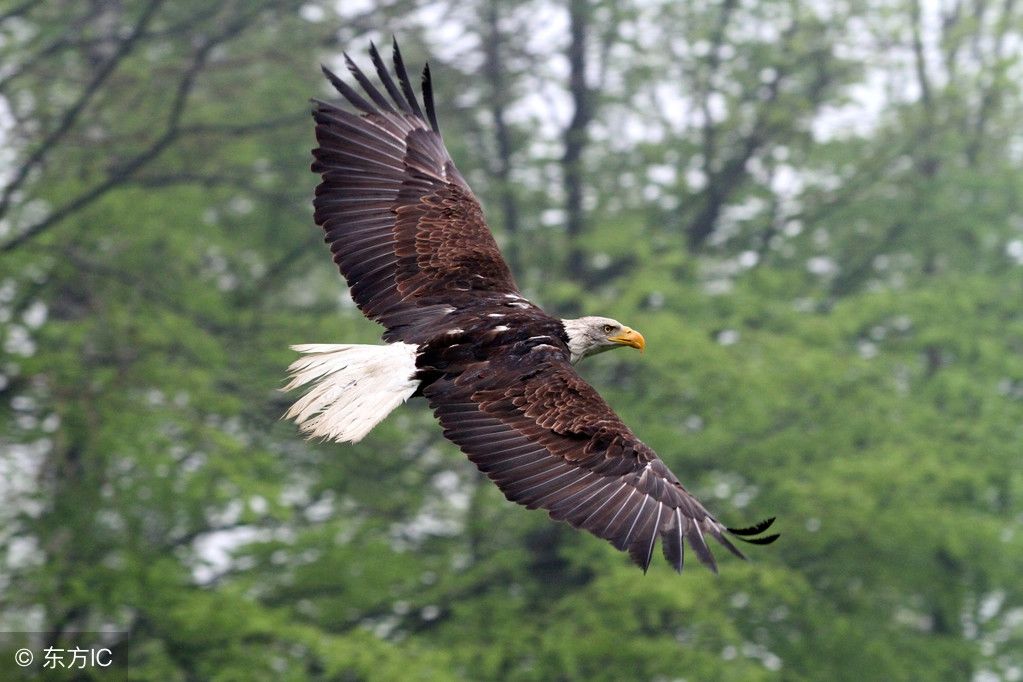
pixel 405 229
pixel 548 440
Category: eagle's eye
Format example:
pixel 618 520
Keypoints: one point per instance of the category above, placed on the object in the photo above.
pixel 608 329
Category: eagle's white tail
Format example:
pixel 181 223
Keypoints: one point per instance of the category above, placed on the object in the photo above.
pixel 353 387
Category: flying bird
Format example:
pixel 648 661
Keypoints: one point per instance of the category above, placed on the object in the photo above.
pixel 410 238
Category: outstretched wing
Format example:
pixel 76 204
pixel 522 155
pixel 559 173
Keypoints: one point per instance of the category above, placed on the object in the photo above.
pixel 403 225
pixel 549 441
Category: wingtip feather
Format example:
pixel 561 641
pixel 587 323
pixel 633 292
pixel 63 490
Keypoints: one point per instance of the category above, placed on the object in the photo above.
pixel 431 112
pixel 403 79
pixel 755 529
pixel 347 91
pixel 745 534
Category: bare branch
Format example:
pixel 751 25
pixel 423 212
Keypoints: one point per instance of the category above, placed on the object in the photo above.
pixel 64 41
pixel 172 130
pixel 243 183
pixel 17 10
pixel 231 129
pixel 991 95
pixel 70 39
pixel 67 121
pixel 154 294
pixel 91 195
pixel 723 182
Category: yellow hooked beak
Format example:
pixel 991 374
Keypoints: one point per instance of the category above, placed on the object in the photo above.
pixel 629 337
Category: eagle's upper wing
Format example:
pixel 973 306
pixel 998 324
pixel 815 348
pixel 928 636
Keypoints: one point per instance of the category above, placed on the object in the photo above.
pixel 405 229
pixel 548 440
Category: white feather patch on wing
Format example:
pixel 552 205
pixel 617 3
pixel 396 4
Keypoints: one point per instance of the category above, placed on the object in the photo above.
pixel 352 387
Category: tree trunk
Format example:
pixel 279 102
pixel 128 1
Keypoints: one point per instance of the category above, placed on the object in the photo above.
pixel 493 68
pixel 575 135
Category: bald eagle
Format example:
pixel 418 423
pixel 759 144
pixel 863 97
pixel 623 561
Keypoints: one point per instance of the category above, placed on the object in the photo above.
pixel 409 236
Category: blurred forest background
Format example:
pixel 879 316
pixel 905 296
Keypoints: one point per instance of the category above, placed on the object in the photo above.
pixel 811 210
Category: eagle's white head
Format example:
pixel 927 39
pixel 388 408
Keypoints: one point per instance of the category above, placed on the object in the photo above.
pixel 591 335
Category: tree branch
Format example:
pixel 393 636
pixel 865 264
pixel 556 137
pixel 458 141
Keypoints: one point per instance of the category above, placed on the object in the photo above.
pixel 172 130
pixel 232 129
pixel 990 95
pixel 67 121
pixel 920 63
pixel 18 10
pixel 63 41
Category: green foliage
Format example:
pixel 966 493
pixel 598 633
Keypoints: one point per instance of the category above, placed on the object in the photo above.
pixel 844 352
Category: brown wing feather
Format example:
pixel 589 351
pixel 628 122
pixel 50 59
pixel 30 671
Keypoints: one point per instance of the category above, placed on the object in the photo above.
pixel 403 225
pixel 549 441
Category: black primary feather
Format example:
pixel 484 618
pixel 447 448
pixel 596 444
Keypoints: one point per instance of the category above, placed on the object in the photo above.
pixel 431 113
pixel 385 78
pixel 367 85
pixel 766 540
pixel 755 529
pixel 406 84
pixel 349 93
pixel 744 533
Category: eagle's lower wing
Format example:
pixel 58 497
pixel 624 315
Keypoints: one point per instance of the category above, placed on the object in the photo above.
pixel 403 225
pixel 549 441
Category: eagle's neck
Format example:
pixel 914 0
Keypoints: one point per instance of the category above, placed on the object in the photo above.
pixel 581 343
